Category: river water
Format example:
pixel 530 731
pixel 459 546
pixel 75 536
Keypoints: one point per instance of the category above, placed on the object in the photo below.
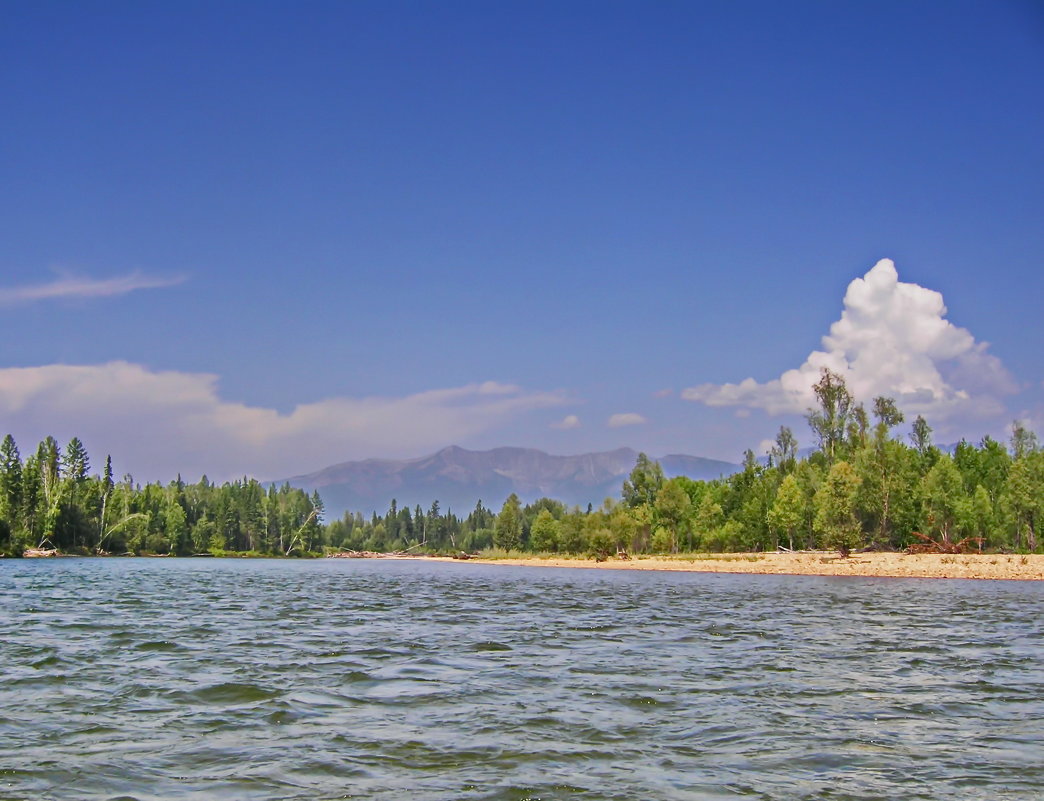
pixel 330 679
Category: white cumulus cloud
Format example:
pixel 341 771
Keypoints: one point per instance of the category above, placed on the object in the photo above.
pixel 72 286
pixel 625 419
pixel 160 423
pixel 893 339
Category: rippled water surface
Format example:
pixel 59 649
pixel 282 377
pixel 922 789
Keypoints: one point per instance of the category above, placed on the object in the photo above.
pixel 239 679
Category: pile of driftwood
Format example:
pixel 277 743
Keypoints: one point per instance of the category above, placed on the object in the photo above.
pixel 36 553
pixel 928 545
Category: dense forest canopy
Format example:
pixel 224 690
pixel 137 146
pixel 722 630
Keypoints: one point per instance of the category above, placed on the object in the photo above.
pixel 863 486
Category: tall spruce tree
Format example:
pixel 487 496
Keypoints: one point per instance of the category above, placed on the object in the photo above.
pixel 10 482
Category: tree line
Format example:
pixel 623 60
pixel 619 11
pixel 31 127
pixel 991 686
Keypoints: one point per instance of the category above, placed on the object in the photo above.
pixel 50 501
pixel 864 484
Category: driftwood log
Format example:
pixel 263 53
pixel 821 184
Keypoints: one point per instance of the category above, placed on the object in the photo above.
pixel 928 545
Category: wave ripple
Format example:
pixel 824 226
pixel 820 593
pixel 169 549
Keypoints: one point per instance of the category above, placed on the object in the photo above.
pixel 239 679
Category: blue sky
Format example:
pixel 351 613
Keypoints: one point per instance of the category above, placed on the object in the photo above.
pixel 265 237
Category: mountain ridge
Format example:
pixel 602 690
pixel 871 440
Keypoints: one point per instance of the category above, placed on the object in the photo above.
pixel 459 478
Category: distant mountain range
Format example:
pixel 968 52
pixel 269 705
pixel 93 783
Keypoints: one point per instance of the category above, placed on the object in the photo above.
pixel 459 478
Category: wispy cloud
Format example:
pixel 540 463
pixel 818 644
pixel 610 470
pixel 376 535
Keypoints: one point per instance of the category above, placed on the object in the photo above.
pixel 68 285
pixel 567 422
pixel 893 339
pixel 625 419
pixel 192 429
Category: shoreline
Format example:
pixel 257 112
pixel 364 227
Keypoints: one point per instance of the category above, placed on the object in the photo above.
pixel 1007 567
pixel 876 564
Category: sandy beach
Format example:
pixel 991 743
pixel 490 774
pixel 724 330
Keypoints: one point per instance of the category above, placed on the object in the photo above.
pixel 965 566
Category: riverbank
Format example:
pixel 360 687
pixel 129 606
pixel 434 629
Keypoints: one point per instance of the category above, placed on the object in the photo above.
pixel 1014 567
pixel 900 565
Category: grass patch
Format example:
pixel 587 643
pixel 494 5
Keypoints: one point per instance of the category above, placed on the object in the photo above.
pixel 503 553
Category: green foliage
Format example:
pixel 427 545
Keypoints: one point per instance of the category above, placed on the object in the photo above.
pixel 945 498
pixel 630 527
pixel 830 421
pixel 673 511
pixel 710 515
pixel 788 509
pixel 176 528
pixel 644 483
pixel 1026 487
pixel 1023 441
pixel 52 500
pixel 600 541
pixel 664 541
pixel 727 538
pixel 477 540
pixel 888 489
pixel 571 537
pixel 836 519
pixel 507 532
pixel 7 545
pixel 543 535
pixel 981 514
pixel 203 536
pixel 784 452
pixel 921 436
pixel 76 464
pixel 863 486
pixel 10 490
pixel 857 429
pixel 887 415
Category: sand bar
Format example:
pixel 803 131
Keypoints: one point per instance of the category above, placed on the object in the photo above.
pixel 965 566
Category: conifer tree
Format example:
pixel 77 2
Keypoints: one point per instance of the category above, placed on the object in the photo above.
pixel 10 482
